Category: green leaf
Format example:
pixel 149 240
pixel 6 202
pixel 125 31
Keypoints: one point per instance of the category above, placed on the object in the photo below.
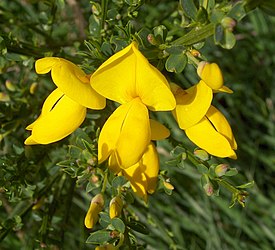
pixel 231 172
pixel 224 37
pixel 202 169
pixel 94 26
pixel 247 185
pixel 118 224
pixel 118 181
pixel 160 33
pixel 90 147
pixel 196 35
pixel 99 237
pixel 138 227
pixel 105 219
pixel 237 12
pixel 176 63
pixel 189 8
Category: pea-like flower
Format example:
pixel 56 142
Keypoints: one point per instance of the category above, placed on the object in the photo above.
pixel 203 124
pixel 96 206
pixel 129 79
pixel 143 175
pixel 115 207
pixel 65 108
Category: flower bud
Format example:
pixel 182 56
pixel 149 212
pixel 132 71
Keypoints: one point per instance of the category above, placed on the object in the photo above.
pixel 208 188
pixel 168 185
pixel 207 185
pixel 195 53
pixel 228 23
pixel 211 74
pixel 33 87
pixel 95 208
pixel 151 39
pixel 4 97
pixel 9 85
pixel 116 205
pixel 221 169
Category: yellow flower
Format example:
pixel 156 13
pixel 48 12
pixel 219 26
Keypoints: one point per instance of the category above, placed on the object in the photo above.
pixel 71 80
pixel 143 175
pixel 128 78
pixel 95 208
pixel 211 74
pixel 65 108
pixel 115 207
pixel 127 75
pixel 213 134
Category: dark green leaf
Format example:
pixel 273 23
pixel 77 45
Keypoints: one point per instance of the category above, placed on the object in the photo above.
pixel 176 63
pixel 99 237
pixel 138 227
pixel 189 8
pixel 118 224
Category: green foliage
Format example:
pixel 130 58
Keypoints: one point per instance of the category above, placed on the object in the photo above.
pixel 45 190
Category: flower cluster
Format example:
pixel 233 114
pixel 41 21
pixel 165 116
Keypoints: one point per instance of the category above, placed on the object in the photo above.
pixel 125 140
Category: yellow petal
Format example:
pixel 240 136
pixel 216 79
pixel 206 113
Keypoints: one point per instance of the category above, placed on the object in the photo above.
pixel 204 135
pixel 158 131
pixel 95 208
pixel 30 141
pixel 115 207
pixel 192 104
pixel 113 163
pixel 149 165
pixel 211 74
pixel 137 180
pixel 127 75
pixel 92 217
pixel 221 125
pixel 47 106
pixel 62 119
pixel 44 65
pixel 72 81
pixel 127 132
pixel 225 90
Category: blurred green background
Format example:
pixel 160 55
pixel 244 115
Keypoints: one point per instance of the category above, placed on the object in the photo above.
pixel 186 219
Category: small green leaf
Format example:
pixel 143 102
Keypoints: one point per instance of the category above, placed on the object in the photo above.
pixel 237 12
pixel 224 37
pixel 94 26
pixel 118 181
pixel 105 219
pixel 176 63
pixel 231 172
pixel 118 224
pixel 189 8
pixel 99 237
pixel 160 33
pixel 138 227
pixel 178 150
pixel 202 169
pixel 247 185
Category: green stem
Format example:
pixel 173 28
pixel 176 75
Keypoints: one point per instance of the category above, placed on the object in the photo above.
pixel 228 186
pixel 104 8
pixel 105 182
